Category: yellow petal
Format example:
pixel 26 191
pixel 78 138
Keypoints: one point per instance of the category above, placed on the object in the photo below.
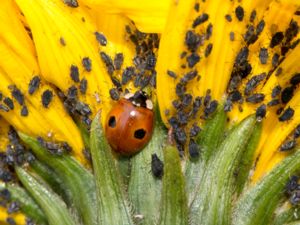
pixel 215 69
pixel 276 19
pixel 4 129
pixel 275 132
pixel 53 23
pixel 17 68
pixel 148 16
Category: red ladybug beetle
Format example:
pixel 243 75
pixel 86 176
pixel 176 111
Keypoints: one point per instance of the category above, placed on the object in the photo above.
pixel 129 124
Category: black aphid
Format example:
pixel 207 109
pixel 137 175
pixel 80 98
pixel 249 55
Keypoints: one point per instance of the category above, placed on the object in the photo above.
pixel 24 111
pixel 255 98
pixel 253 83
pixel 263 55
pixel 200 19
pixel 261 112
pixel 34 84
pixel 276 91
pixel 9 102
pixel 287 94
pixel 287 146
pixel 114 94
pixel 101 38
pixel 87 64
pixel 118 61
pixel 83 86
pixel 276 39
pixel 239 13
pixel 228 17
pixel 208 49
pixel 47 98
pixel 193 59
pixel 74 73
pixel 286 115
pixel 157 166
pixel 194 150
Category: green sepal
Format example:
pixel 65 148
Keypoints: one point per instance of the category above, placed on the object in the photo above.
pixel 287 216
pixel 111 200
pixel 212 204
pixel 247 159
pixel 257 204
pixel 52 205
pixel 77 180
pixel 28 206
pixel 145 189
pixel 208 140
pixel 174 209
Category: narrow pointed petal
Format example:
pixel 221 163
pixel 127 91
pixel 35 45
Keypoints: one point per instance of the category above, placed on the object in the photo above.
pixel 54 26
pixel 148 16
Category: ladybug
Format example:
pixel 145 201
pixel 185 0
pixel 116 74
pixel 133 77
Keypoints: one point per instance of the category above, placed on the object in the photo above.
pixel 130 123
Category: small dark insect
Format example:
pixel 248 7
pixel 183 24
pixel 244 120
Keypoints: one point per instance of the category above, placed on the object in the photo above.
pixel 231 36
pixel 235 96
pixel 47 98
pixel 192 59
pixel 228 17
pixel 276 91
pixel 197 7
pixel 287 146
pixel 24 111
pixel 208 49
pixel 172 74
pixel 286 115
pixel 278 71
pixel 228 105
pixel 295 198
pixel 71 3
pixel 211 107
pixel 18 95
pixel 34 84
pixel 182 117
pixel 260 27
pixel 177 104
pixel 83 86
pixel 187 100
pixel 263 55
pixel 200 19
pixel 72 92
pixel 13 207
pixel 250 36
pixel 252 16
pixel 295 80
pixel 292 184
pixel 297 132
pixel 188 77
pixel 9 102
pixel 275 60
pixel 87 64
pixel 273 102
pixel 101 38
pixel 276 39
pixel 180 89
pixel 194 150
pixel 287 94
pixel 62 41
pixel 108 62
pixel 253 83
pixel 194 131
pixel 118 61
pixel 239 13
pixel 261 112
pixel 209 31
pixel 180 135
pixel 114 94
pixel 255 98
pixel 11 221
pixel 127 75
pixel 157 166
pixel 192 40
pixel 74 73
pixel 297 13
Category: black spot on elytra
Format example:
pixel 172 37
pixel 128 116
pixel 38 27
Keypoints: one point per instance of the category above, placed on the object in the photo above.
pixel 140 133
